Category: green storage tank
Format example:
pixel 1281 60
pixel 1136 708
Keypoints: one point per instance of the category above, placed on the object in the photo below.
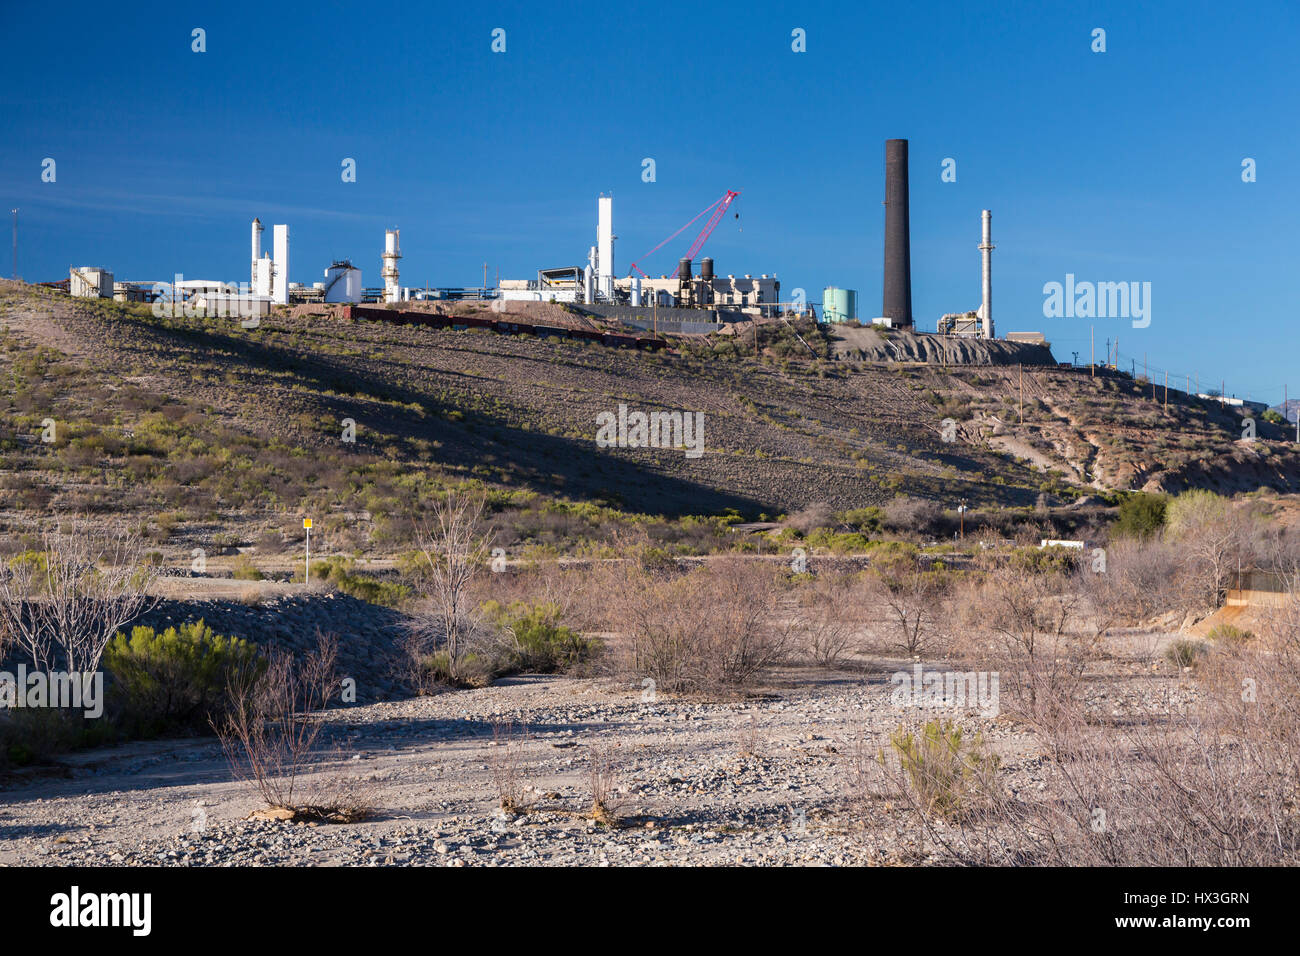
pixel 839 305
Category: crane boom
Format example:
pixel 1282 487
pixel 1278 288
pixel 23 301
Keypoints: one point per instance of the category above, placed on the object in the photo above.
pixel 718 207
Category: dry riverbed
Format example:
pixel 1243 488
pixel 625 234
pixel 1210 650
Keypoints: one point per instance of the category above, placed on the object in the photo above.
pixel 759 781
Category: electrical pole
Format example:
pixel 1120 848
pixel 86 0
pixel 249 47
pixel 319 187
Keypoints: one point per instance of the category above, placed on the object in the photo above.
pixel 1166 390
pixel 1092 350
pixel 15 212
pixel 1020 412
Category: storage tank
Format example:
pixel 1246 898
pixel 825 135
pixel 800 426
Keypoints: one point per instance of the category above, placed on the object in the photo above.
pixel 342 282
pixel 706 269
pixel 839 305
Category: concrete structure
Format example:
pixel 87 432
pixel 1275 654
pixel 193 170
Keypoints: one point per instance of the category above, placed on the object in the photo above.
pixel 839 305
pixel 280 276
pixel 1027 338
pixel 897 304
pixel 392 252
pixel 605 247
pixel 133 292
pixel 263 276
pixel 90 282
pixel 755 296
pixel 342 283
pixel 232 304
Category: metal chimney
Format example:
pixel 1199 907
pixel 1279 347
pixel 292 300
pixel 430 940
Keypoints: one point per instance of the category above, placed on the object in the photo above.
pixel 986 247
pixel 898 255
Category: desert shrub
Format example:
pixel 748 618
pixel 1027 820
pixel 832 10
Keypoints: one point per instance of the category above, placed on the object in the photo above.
pixel 244 569
pixel 711 630
pixel 826 615
pixel 1185 653
pixel 541 643
pixel 271 735
pixel 1045 560
pixel 1141 515
pixel 176 680
pixel 373 590
pixel 946 773
pixel 1229 634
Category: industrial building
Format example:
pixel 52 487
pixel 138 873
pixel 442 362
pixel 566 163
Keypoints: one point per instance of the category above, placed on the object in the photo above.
pixel 977 323
pixel 90 282
pixel 596 283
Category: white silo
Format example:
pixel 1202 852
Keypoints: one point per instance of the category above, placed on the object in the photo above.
pixel 392 252
pixel 280 291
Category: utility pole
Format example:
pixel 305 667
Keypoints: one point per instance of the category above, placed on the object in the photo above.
pixel 15 212
pixel 961 512
pixel 1020 412
pixel 485 278
pixel 1166 390
pixel 1092 350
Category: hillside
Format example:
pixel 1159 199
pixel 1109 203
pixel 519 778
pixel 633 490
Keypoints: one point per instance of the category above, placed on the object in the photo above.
pixel 192 423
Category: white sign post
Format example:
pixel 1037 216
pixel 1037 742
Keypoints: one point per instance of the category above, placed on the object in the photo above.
pixel 306 523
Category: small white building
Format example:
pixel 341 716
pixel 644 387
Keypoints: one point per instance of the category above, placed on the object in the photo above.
pixel 90 282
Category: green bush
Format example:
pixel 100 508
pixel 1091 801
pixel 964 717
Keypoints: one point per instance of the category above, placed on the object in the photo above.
pixel 1230 635
pixel 945 772
pixel 174 681
pixel 1141 515
pixel 541 643
pixel 363 587
pixel 1184 653
pixel 245 570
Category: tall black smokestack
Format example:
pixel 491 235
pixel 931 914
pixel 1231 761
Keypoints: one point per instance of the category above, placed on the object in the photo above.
pixel 898 242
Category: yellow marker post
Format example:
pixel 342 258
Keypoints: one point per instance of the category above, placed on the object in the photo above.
pixel 306 523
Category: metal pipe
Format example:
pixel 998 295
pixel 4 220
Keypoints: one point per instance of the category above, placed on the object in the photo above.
pixel 986 247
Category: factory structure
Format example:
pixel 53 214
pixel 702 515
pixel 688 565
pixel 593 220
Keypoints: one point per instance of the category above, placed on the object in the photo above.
pixel 598 283
pixel 702 298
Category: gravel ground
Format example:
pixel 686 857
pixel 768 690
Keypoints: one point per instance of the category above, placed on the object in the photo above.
pixel 760 781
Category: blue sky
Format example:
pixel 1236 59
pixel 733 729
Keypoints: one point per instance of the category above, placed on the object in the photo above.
pixel 1115 166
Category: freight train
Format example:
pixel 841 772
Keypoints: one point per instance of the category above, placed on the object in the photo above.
pixel 511 326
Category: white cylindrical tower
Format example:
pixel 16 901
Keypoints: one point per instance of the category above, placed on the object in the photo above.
pixel 636 290
pixel 280 281
pixel 986 247
pixel 392 252
pixel 605 247
pixel 257 250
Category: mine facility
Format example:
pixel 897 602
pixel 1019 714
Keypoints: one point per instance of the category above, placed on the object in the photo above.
pixel 599 303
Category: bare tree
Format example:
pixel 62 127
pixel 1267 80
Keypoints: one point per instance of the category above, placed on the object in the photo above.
pixel 912 598
pixel 452 547
pixel 64 604
pixel 271 734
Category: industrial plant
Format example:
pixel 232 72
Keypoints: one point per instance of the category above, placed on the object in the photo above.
pixel 694 297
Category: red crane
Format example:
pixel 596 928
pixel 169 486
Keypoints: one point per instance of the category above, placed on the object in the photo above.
pixel 717 207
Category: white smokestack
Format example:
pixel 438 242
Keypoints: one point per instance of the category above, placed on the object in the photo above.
pixel 986 247
pixel 281 280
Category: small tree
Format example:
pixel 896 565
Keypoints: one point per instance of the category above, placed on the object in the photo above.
pixel 63 604
pixel 452 547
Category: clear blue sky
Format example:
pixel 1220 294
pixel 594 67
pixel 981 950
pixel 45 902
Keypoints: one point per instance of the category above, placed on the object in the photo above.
pixel 1115 166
